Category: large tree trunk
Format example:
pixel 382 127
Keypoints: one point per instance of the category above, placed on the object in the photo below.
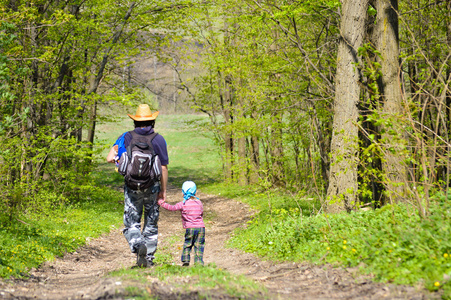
pixel 343 185
pixel 387 42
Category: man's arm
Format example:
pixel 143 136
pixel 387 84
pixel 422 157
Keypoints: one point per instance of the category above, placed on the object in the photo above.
pixel 163 183
pixel 113 152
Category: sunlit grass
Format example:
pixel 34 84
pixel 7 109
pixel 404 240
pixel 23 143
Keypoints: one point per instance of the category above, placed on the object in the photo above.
pixel 205 280
pixel 33 238
pixel 393 243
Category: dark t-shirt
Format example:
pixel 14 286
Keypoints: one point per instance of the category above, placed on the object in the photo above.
pixel 158 143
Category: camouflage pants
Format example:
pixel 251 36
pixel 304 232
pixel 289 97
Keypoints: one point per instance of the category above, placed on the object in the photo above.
pixel 135 203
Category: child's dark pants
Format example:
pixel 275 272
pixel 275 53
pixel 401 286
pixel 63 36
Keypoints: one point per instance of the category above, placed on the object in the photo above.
pixel 194 237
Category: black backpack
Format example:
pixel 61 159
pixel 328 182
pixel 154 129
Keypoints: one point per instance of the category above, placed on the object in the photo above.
pixel 140 165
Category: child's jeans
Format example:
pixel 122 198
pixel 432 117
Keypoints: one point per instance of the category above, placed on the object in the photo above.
pixel 194 237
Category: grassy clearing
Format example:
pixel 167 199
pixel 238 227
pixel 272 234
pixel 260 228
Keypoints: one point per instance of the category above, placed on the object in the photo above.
pixel 192 153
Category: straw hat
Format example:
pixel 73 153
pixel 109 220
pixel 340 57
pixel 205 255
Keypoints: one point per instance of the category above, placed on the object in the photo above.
pixel 143 113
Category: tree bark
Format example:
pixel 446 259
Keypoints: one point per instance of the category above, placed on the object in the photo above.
pixel 343 184
pixel 254 150
pixel 276 150
pixel 227 99
pixel 387 42
pixel 447 170
pixel 242 162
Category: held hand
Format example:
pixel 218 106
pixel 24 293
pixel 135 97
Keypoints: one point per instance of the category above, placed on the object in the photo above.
pixel 162 196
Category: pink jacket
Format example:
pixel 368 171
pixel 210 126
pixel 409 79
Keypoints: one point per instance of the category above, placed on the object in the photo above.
pixel 192 212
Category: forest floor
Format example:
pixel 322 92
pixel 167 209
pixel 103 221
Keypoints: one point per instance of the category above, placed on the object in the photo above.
pixel 84 273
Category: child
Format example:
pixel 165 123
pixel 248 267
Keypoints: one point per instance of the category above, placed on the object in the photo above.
pixel 192 212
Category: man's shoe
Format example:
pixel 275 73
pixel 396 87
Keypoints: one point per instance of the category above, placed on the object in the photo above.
pixel 141 256
pixel 185 264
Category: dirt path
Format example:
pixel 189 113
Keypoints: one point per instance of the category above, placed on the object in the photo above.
pixel 82 275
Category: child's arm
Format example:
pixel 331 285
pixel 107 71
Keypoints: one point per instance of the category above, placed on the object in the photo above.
pixel 167 206
pixel 117 149
pixel 112 154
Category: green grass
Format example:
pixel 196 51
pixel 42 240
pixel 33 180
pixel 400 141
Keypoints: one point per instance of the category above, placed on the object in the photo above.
pixel 393 243
pixel 33 238
pixel 192 153
pixel 205 280
pixel 266 201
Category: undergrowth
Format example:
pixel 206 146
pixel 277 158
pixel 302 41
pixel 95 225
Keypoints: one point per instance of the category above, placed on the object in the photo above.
pixel 392 243
pixel 34 237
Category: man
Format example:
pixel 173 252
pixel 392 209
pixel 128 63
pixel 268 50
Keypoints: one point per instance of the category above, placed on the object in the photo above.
pixel 143 243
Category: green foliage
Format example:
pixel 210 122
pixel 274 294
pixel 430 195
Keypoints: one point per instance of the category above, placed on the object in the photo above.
pixel 52 61
pixel 33 237
pixel 61 166
pixel 258 91
pixel 393 243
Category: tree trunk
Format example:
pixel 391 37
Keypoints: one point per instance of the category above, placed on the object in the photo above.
pixel 343 185
pixel 276 150
pixel 95 81
pixel 255 159
pixel 242 162
pixel 387 42
pixel 446 174
pixel 93 121
pixel 227 97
